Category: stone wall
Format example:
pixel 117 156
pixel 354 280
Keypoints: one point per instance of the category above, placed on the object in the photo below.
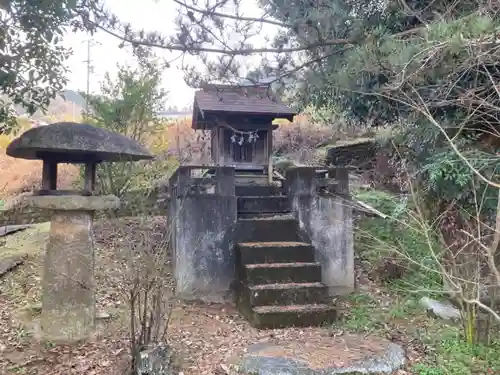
pixel 379 165
pixel 360 154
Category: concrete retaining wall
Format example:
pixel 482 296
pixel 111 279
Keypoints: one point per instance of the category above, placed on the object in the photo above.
pixel 203 220
pixel 325 218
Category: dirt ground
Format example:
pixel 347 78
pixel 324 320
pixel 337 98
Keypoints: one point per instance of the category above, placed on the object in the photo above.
pixel 207 338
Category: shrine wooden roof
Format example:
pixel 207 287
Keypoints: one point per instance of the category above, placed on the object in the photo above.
pixel 244 100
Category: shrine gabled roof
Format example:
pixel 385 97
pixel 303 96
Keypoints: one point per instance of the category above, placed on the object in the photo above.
pixel 240 100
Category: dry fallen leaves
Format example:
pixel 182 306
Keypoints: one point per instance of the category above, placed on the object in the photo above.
pixel 208 339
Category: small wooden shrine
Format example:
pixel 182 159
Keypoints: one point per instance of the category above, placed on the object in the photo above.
pixel 240 119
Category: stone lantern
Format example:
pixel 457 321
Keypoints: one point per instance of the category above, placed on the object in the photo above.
pixel 68 303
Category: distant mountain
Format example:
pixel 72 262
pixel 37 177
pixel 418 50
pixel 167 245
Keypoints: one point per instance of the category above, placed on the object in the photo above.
pixel 68 103
pixel 74 97
pixel 174 115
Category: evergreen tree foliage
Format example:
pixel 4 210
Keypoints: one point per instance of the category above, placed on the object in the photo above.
pixel 32 57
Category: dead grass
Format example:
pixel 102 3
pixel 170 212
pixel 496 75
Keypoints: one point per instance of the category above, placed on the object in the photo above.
pixel 204 336
pixel 20 175
pixel 25 242
pixel 298 139
pixel 184 143
pixel 302 137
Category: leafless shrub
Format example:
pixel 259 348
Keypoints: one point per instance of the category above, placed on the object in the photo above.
pixel 186 144
pixel 145 279
pixel 300 139
pixel 462 254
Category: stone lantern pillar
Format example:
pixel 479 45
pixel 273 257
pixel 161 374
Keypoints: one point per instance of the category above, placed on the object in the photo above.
pixel 68 302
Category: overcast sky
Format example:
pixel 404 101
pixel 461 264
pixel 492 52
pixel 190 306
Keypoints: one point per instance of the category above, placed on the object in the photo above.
pixel 147 14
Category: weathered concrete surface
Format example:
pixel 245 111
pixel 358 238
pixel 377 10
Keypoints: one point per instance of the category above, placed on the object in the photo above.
pixel 72 202
pixel 68 302
pixel 202 234
pixel 76 142
pixel 326 219
pixel 203 247
pixel 329 223
pixel 269 359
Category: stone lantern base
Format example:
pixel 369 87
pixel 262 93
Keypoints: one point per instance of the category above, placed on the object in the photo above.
pixel 68 303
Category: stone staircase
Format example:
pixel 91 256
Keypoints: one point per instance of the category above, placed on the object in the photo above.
pixel 278 281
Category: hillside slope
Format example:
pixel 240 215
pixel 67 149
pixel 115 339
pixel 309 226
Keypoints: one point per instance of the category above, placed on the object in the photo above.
pixel 20 175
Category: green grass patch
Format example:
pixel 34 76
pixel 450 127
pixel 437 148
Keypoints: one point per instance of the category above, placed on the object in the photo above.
pixel 365 313
pixel 359 317
pixel 453 356
pixel 402 235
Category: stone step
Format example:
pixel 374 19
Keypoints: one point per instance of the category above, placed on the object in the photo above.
pixel 272 273
pixel 274 252
pixel 269 204
pixel 287 294
pixel 257 190
pixel 256 215
pixel 272 317
pixel 252 171
pixel 251 179
pixel 268 229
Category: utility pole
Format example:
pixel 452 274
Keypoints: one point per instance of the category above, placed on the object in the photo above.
pixel 90 69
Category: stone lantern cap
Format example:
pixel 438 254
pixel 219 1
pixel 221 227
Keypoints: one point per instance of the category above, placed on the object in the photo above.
pixel 71 142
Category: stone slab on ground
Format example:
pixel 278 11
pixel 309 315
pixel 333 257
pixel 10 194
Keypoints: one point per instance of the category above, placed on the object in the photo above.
pixel 442 310
pixel 348 354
